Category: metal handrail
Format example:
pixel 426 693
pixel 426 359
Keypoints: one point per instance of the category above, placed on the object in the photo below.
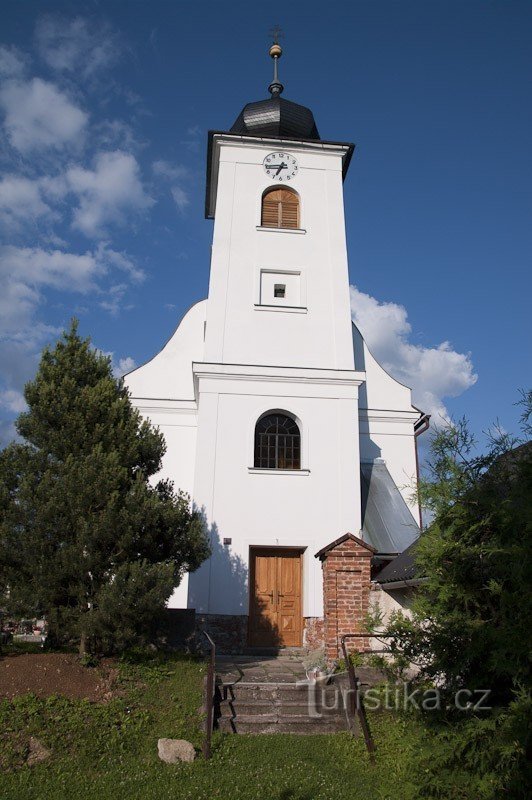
pixel 209 698
pixel 355 699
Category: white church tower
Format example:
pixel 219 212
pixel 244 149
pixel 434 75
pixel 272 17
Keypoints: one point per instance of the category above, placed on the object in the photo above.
pixel 279 423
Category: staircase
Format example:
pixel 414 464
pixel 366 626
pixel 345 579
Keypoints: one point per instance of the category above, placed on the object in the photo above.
pixel 279 707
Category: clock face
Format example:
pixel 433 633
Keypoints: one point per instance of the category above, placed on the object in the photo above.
pixel 280 167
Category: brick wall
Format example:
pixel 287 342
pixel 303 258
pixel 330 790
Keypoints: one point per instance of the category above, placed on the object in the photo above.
pixel 346 567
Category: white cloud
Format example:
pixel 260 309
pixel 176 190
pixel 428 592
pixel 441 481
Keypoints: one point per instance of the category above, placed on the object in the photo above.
pixel 19 356
pixel 173 174
pixel 12 62
pixel 119 365
pixel 115 134
pixel 53 268
pixel 125 365
pixel 8 432
pixel 433 373
pixel 77 45
pixel 109 193
pixel 17 304
pixel 121 261
pixel 180 197
pixel 113 301
pixel 25 272
pixel 112 192
pixel 38 115
pixel 21 201
pixel 12 400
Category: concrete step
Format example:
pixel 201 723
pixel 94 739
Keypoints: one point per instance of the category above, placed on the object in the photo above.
pixel 263 691
pixel 271 723
pixel 287 709
pixel 255 708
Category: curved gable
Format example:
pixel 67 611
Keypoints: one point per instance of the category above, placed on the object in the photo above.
pixel 168 375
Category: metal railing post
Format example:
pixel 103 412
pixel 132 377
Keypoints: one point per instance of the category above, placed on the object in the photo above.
pixel 357 702
pixel 209 698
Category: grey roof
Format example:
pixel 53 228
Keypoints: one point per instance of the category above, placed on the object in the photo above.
pixel 276 117
pixel 402 568
pixel 387 522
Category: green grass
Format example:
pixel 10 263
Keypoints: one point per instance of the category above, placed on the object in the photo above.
pixel 110 751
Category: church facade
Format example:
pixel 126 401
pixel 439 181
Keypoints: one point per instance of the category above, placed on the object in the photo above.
pixel 279 423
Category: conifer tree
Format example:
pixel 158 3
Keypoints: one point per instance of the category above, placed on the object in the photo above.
pixel 85 538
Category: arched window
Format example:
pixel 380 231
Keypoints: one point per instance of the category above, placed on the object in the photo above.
pixel 277 442
pixel 280 209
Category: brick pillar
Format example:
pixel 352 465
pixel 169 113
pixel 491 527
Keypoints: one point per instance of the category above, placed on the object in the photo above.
pixel 346 565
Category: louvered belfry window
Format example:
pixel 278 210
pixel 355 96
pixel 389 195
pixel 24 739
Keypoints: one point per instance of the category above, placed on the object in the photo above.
pixel 277 442
pixel 280 209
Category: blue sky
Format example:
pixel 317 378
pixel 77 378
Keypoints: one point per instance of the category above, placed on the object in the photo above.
pixel 105 109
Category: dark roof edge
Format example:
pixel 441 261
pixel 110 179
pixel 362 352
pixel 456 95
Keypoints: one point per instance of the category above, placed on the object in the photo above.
pixel 346 161
pixel 403 583
pixel 401 570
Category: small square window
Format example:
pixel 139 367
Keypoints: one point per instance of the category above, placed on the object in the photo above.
pixel 279 290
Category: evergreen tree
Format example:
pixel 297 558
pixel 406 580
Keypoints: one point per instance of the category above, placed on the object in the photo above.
pixel 85 538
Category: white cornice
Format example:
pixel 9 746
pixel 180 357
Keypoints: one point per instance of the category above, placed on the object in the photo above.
pixel 387 415
pixel 259 142
pixel 166 405
pixel 250 372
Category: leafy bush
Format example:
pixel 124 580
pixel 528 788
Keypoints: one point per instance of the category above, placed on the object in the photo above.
pixel 471 617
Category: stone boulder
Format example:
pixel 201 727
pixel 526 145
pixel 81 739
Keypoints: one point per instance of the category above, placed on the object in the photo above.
pixel 37 752
pixel 172 751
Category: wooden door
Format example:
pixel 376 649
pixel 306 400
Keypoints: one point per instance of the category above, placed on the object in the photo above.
pixel 275 598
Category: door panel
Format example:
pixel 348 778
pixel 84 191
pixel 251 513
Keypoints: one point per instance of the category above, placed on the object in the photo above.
pixel 263 610
pixel 275 598
pixel 289 598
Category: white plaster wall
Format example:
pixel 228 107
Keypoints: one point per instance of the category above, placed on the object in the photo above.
pixel 387 601
pixel 208 421
pixel 168 375
pixel 163 391
pixel 307 508
pixel 387 417
pixel 238 331
pixel 178 423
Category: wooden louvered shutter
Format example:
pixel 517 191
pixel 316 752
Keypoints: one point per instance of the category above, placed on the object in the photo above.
pixel 280 209
pixel 289 210
pixel 271 207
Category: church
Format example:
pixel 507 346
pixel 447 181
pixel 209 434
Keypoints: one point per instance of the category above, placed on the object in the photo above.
pixel 296 445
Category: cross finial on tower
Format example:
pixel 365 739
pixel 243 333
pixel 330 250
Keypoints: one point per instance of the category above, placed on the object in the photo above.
pixel 276 87
pixel 276 33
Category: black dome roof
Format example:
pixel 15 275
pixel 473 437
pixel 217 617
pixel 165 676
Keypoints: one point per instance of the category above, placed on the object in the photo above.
pixel 276 117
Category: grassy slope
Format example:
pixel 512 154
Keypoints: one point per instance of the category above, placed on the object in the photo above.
pixel 111 751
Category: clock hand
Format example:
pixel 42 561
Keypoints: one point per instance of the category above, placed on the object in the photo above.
pixel 281 166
